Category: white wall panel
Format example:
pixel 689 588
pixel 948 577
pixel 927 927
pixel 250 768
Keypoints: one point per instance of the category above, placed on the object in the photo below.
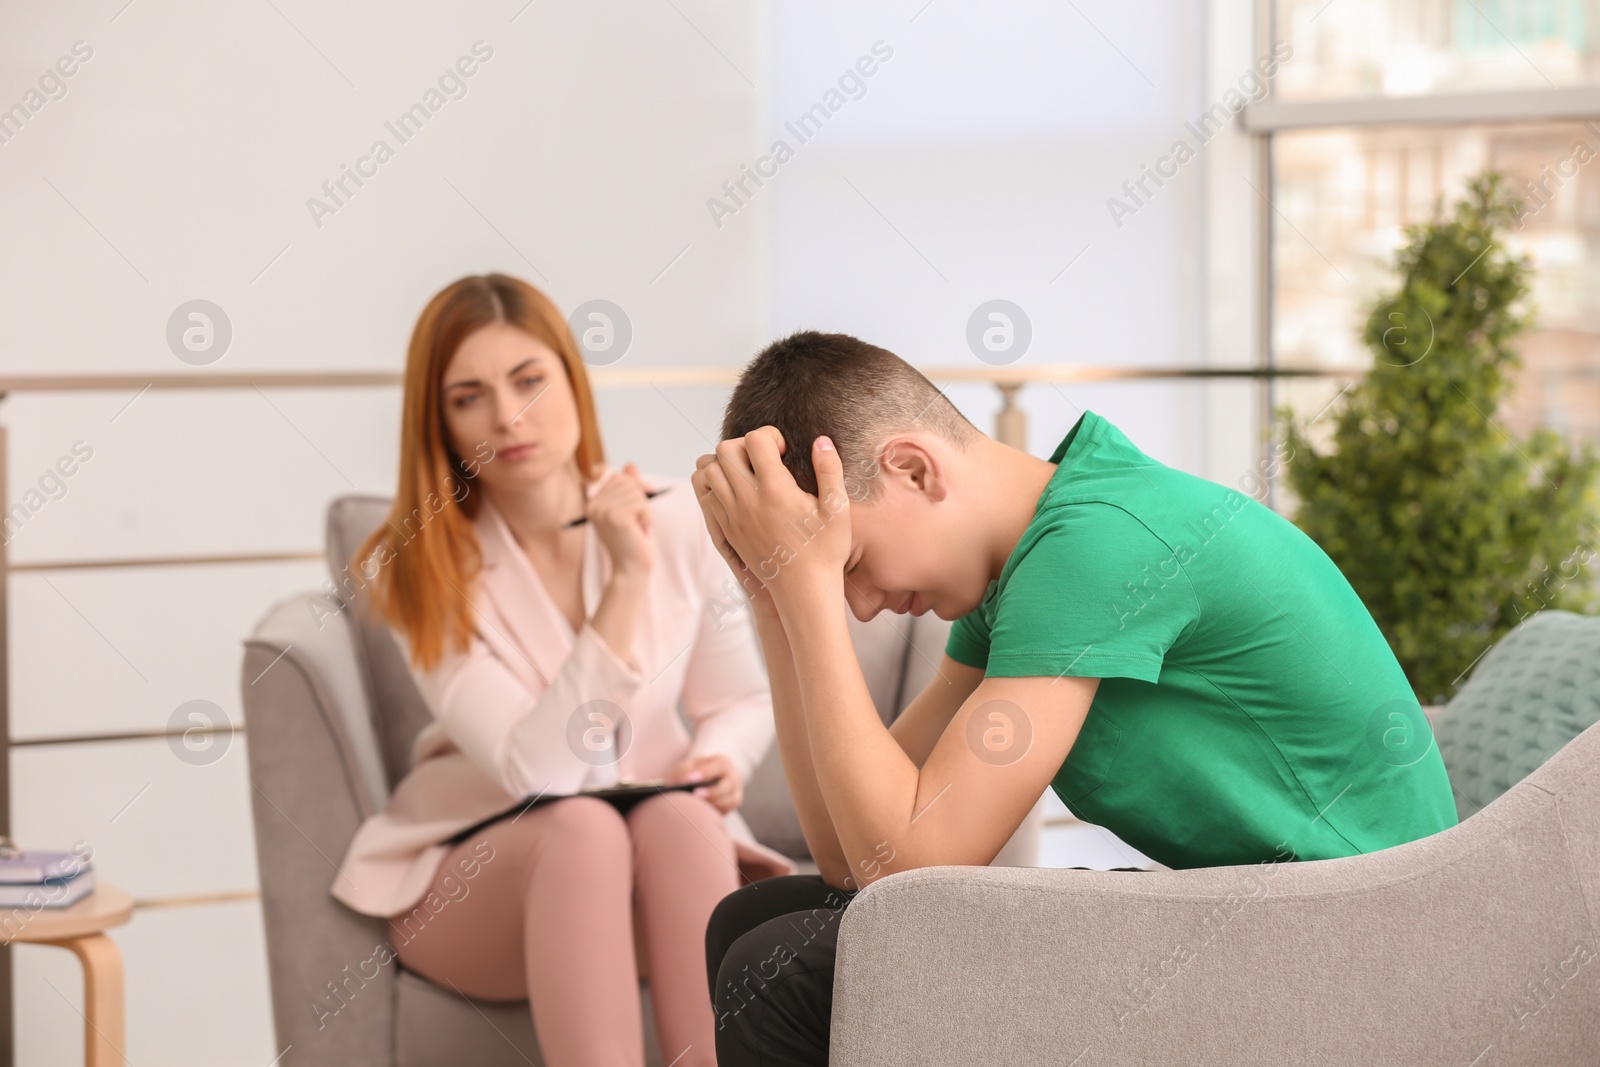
pixel 159 826
pixel 188 472
pixel 118 650
pixel 186 149
pixel 977 165
pixel 197 992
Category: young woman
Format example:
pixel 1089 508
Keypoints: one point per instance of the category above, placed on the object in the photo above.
pixel 554 657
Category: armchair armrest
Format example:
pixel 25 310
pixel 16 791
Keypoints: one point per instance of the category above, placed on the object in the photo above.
pixel 315 775
pixel 1429 952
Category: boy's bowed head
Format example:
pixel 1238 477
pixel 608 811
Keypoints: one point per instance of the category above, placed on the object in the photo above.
pixel 838 464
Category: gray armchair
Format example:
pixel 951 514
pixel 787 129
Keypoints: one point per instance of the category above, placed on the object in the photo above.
pixel 1476 947
pixel 331 712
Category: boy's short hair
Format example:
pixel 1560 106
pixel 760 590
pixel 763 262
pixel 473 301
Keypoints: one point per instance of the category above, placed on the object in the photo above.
pixel 811 384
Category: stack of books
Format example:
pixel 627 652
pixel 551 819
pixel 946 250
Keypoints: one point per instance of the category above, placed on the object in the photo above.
pixel 36 880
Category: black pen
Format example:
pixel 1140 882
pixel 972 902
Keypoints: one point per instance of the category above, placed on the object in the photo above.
pixel 581 519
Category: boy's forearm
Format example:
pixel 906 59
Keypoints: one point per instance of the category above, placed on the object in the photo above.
pixel 870 783
pixel 794 747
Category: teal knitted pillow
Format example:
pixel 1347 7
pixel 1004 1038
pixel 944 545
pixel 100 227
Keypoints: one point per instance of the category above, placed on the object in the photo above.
pixel 1537 689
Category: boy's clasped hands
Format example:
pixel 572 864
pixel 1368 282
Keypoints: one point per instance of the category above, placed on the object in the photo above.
pixel 779 539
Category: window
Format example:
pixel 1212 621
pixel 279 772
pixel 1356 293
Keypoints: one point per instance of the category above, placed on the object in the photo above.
pixel 1388 107
pixel 1361 48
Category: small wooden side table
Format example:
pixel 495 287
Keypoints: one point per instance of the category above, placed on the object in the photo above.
pixel 81 928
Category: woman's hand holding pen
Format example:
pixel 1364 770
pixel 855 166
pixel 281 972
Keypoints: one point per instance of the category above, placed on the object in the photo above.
pixel 620 514
pixel 728 792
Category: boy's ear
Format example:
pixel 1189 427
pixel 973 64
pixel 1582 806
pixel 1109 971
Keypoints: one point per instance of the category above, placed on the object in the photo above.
pixel 924 470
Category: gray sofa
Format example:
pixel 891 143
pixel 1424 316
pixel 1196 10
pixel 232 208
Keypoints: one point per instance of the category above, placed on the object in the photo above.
pixel 330 712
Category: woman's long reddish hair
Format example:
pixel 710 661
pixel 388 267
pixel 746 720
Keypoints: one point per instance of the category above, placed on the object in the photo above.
pixel 423 562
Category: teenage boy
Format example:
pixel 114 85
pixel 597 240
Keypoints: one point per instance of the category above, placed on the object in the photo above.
pixel 1179 663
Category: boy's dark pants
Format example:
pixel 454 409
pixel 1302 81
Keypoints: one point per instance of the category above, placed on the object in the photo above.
pixel 769 957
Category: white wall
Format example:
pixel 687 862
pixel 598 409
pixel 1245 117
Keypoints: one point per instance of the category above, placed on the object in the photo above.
pixel 177 166
pixel 977 166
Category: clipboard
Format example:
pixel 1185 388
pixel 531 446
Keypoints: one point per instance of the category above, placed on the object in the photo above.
pixel 623 796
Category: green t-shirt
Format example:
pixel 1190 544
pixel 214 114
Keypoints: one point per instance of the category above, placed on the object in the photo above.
pixel 1249 708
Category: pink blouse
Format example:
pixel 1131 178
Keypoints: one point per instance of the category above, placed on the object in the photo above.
pixel 524 709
